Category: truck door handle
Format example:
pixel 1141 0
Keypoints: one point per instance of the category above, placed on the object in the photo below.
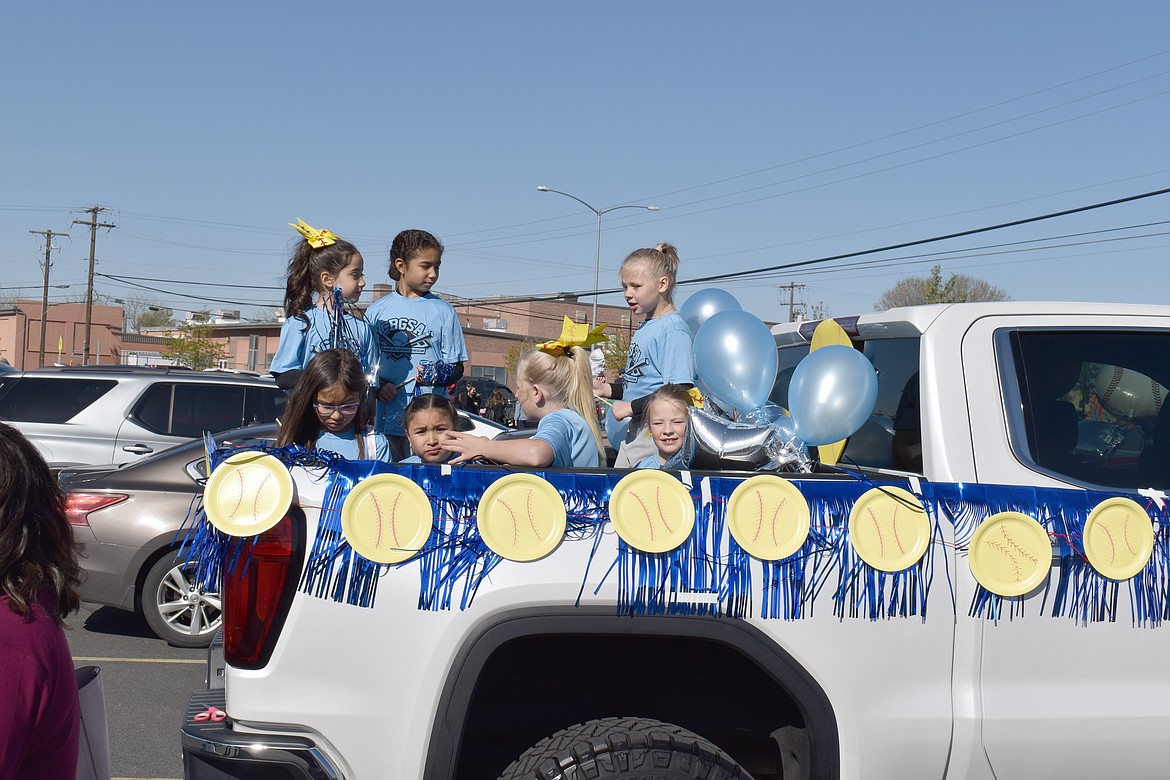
pixel 138 449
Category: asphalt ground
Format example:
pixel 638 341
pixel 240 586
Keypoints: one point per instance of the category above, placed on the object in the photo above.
pixel 146 682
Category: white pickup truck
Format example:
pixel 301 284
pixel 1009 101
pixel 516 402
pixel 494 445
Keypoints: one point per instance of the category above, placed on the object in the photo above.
pixel 828 669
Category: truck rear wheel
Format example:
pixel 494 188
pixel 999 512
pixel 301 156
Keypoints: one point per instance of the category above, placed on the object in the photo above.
pixel 611 748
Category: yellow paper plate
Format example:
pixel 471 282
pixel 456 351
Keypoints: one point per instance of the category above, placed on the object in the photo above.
pixel 1119 538
pixel 247 493
pixel 768 516
pixel 521 517
pixel 386 518
pixel 651 511
pixel 1010 554
pixel 889 534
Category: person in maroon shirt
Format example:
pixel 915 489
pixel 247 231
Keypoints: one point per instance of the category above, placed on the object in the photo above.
pixel 39 574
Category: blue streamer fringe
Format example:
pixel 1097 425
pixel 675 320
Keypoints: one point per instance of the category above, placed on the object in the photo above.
pixel 709 574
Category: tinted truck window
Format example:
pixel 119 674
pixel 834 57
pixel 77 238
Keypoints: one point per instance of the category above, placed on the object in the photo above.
pixel 1092 404
pixel 44 400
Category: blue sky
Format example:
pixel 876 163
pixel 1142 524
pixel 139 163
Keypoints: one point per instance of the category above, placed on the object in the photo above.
pixel 766 133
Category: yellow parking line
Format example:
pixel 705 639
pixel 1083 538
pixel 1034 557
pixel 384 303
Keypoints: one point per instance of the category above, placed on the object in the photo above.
pixel 141 660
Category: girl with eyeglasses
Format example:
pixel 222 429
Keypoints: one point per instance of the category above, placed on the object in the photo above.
pixel 329 409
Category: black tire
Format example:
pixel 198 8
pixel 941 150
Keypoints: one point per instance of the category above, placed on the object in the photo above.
pixel 615 748
pixel 175 609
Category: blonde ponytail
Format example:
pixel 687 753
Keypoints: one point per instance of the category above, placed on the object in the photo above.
pixel 568 381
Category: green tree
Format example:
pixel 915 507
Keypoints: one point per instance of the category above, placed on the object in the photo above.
pixel 616 350
pixel 959 288
pixel 154 317
pixel 142 312
pixel 194 347
pixel 512 356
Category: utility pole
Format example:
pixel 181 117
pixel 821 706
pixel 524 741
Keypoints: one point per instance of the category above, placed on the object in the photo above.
pixel 93 224
pixel 48 234
pixel 793 306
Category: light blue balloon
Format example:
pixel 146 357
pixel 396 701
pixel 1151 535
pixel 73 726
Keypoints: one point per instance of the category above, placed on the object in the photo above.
pixel 832 394
pixel 735 356
pixel 704 304
pixel 713 403
pixel 615 430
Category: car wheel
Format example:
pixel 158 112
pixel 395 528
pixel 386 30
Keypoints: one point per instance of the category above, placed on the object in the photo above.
pixel 177 609
pixel 624 747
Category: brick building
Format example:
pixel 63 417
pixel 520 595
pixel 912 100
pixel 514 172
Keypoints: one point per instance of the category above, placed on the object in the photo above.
pixel 20 334
pixel 491 328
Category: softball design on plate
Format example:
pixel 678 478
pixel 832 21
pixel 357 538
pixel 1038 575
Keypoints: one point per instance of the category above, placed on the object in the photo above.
pixel 247 493
pixel 652 511
pixel 1119 538
pixel 889 528
pixel 521 517
pixel 1010 554
pixel 768 516
pixel 386 518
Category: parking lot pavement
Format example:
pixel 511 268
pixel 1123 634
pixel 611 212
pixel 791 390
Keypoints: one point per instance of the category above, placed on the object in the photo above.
pixel 146 682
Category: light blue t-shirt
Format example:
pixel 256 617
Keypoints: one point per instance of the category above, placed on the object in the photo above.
pixel 649 462
pixel 660 354
pixel 299 343
pixel 418 459
pixel 346 445
pixel 408 331
pixel 570 438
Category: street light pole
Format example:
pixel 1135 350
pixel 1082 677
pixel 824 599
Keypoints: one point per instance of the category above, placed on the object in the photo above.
pixel 597 258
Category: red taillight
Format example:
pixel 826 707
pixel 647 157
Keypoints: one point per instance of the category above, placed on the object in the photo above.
pixel 79 505
pixel 258 590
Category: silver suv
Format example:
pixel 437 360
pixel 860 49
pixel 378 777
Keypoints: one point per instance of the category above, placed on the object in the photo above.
pixel 117 414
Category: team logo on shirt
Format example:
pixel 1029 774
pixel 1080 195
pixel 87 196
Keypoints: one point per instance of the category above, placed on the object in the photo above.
pixel 319 342
pixel 400 338
pixel 634 364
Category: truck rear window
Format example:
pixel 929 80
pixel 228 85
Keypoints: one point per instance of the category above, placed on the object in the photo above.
pixel 891 437
pixel 44 400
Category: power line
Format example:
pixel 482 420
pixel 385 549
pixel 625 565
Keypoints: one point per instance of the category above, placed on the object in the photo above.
pixel 921 241
pixel 759 272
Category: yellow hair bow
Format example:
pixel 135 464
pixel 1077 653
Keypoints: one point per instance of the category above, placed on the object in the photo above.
pixel 696 397
pixel 573 335
pixel 316 238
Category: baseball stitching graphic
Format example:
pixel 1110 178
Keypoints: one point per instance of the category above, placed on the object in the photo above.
pixel 760 518
pixel 242 492
pixel 516 521
pixel 1012 550
pixel 649 517
pixel 379 528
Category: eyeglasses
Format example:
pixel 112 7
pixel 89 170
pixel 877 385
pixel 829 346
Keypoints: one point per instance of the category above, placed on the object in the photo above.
pixel 328 409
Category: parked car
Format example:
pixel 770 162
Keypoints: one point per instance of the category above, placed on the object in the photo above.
pixel 118 414
pixel 127 518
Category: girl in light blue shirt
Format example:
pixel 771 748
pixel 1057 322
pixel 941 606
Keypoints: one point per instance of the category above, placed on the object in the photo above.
pixel 331 270
pixel 330 408
pixel 660 351
pixel 554 387
pixel 413 328
pixel 667 414
pixel 427 420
